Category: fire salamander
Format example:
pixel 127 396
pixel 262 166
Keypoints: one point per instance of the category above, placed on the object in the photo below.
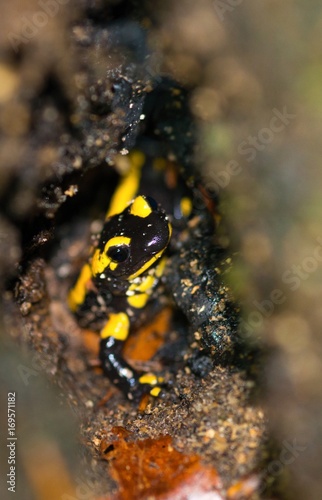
pixel 124 267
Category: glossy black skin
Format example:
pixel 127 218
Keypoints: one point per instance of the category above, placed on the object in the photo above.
pixel 149 236
pixel 145 239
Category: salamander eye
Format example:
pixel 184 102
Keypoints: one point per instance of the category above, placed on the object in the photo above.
pixel 119 253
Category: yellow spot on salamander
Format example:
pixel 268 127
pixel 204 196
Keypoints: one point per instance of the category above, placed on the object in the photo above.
pixel 100 259
pixel 140 207
pixel 160 268
pixel 150 378
pixel 185 206
pixel 117 326
pixel 137 158
pixel 170 231
pixel 145 285
pixel 128 186
pixel 77 294
pixel 138 301
pixel 155 391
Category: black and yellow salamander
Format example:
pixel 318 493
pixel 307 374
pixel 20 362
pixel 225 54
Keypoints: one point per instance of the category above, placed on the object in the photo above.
pixel 122 273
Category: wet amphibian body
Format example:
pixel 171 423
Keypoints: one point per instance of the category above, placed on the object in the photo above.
pixel 122 273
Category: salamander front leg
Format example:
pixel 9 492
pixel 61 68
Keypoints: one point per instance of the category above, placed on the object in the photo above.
pixel 133 385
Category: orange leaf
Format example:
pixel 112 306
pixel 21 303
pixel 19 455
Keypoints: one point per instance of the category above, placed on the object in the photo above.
pixel 153 467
